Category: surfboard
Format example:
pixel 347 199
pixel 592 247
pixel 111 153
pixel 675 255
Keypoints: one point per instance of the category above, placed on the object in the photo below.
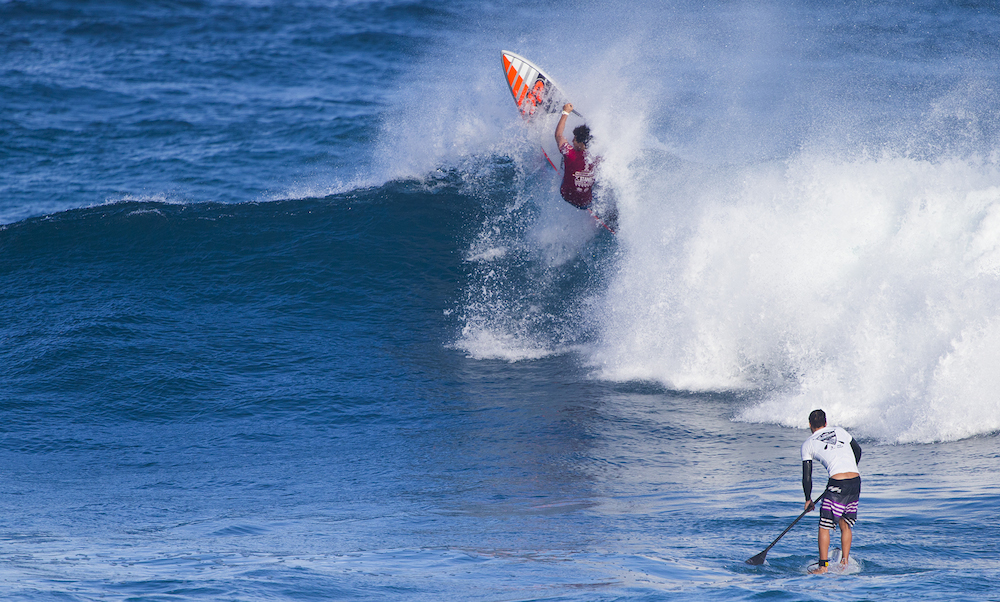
pixel 538 98
pixel 852 567
pixel 540 101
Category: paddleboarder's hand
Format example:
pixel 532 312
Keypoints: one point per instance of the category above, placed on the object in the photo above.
pixel 568 107
pixel 810 505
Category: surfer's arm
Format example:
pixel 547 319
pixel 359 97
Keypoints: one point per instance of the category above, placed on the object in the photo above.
pixel 561 126
pixel 807 480
pixel 857 451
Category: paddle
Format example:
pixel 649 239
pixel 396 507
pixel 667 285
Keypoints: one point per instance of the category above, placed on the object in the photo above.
pixel 759 558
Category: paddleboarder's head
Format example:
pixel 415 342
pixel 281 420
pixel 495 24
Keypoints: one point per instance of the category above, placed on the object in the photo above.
pixel 581 135
pixel 817 420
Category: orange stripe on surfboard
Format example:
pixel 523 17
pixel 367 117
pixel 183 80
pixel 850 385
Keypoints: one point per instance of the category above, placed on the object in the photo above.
pixel 510 71
pixel 528 85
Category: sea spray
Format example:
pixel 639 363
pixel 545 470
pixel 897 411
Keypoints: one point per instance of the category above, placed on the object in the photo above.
pixel 867 287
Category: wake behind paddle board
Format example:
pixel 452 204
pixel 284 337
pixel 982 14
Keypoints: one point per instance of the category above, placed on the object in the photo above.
pixel 540 102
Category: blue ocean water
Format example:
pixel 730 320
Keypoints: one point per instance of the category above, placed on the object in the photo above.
pixel 290 308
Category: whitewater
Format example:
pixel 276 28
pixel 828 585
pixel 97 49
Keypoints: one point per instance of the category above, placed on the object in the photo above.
pixel 290 308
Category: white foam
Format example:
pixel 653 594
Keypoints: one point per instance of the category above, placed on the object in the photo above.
pixel 491 342
pixel 867 287
pixel 320 188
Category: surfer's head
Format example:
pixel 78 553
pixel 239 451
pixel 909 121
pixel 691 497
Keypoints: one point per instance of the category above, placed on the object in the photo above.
pixel 817 419
pixel 581 134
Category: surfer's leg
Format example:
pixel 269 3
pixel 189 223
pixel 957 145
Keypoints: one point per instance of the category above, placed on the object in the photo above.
pixel 849 515
pixel 827 522
pixel 824 551
pixel 845 540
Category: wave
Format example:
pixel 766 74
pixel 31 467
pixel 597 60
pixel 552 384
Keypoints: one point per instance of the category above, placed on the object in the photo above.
pixel 814 236
pixel 866 286
pixel 808 206
pixel 145 310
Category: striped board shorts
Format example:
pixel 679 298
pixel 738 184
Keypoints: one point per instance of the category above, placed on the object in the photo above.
pixel 840 502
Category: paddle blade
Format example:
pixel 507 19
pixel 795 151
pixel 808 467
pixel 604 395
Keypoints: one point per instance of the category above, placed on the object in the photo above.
pixel 758 559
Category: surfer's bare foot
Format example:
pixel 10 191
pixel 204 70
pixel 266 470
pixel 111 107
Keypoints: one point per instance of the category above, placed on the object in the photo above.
pixel 819 570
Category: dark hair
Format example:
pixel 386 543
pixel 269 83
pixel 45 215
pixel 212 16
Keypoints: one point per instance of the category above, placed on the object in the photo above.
pixel 582 134
pixel 817 419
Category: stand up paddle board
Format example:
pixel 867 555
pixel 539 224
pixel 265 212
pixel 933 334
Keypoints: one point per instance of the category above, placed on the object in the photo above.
pixel 540 102
pixel 852 567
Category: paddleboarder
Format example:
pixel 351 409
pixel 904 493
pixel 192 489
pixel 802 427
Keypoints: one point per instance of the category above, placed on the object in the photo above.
pixel 839 453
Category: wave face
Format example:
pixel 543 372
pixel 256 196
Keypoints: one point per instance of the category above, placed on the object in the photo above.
pixel 152 312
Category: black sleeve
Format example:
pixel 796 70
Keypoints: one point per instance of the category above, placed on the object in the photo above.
pixel 857 450
pixel 807 478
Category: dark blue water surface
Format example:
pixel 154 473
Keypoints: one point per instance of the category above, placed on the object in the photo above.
pixel 290 308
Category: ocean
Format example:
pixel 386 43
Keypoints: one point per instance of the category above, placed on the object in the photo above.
pixel 290 307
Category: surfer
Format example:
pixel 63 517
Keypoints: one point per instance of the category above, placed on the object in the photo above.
pixel 578 180
pixel 839 453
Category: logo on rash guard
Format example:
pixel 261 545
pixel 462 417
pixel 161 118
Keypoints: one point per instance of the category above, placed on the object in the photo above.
pixel 584 179
pixel 830 439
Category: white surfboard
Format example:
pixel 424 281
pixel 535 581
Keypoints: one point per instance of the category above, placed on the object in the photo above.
pixel 539 100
